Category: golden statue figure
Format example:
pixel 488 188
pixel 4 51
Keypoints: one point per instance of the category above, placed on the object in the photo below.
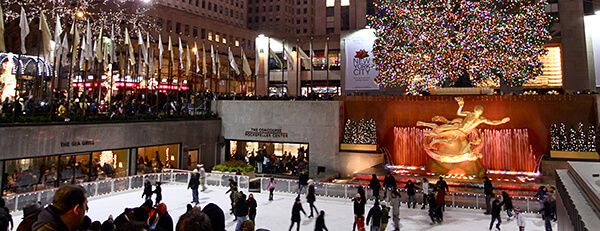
pixel 457 140
pixel 8 80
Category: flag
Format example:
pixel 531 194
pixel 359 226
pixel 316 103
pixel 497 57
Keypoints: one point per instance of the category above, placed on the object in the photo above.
pixel 274 56
pixel 180 54
pixel 57 31
pixel 24 25
pixel 46 38
pixel 197 57
pixel 83 52
pixel 312 54
pixel 89 49
pixel 99 46
pixel 160 51
pixel 2 44
pixel 212 57
pixel 171 50
pixel 188 61
pixel 245 64
pixel 256 63
pixel 290 59
pixel 113 44
pixel 65 49
pixel 105 60
pixel 232 62
pixel 142 47
pixel 204 71
pixel 128 42
pixel 327 54
pixel 218 64
pixel 151 72
pixel 75 33
pixel 304 57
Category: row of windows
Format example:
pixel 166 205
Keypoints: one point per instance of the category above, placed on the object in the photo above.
pixel 207 35
pixel 331 3
pixel 237 3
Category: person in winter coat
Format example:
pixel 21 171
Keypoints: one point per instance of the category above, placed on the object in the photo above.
pixel 361 191
pixel 395 204
pixel 165 221
pixel 385 215
pixel 30 215
pixel 520 218
pixel 425 192
pixel 359 211
pixel 302 182
pixel 252 205
pixel 158 192
pixel 432 208
pixel 193 184
pixel 296 214
pixel 147 190
pixel 508 205
pixel 440 202
pixel 374 213
pixel 375 186
pixel 488 190
pixel 320 224
pixel 541 194
pixel 241 211
pixel 410 190
pixel 202 173
pixel 310 198
pixel 548 214
pixel 233 189
pixel 271 187
pixel 496 208
pixel 389 184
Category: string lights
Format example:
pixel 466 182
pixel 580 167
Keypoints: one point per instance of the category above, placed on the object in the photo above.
pixel 424 44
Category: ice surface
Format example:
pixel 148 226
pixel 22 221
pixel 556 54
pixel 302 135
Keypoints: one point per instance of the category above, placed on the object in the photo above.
pixel 275 215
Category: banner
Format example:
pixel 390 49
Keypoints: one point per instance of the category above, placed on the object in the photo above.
pixel 360 70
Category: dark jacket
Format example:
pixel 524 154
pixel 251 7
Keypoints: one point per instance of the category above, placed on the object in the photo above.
pixel 507 202
pixel 165 222
pixel 303 180
pixel 389 182
pixel 49 220
pixel 296 212
pixel 27 223
pixel 410 188
pixel 320 224
pixel 488 188
pixel 310 197
pixel 374 213
pixel 122 218
pixel 375 185
pixel 194 181
pixel 241 207
pixel 252 204
pixel 496 208
pixel 158 192
pixel 385 215
pixel 359 206
pixel 147 190
pixel 443 185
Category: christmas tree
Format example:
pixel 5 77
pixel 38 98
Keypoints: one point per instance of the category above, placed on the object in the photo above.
pixel 591 139
pixel 562 137
pixel 423 44
pixel 554 143
pixel 371 132
pixel 349 131
pixel 570 146
pixel 580 139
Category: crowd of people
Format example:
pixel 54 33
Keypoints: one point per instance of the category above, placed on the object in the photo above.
pixel 269 163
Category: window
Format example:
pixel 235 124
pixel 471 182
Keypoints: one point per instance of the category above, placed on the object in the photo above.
pixel 329 12
pixel 277 8
pixel 297 21
pixel 345 18
pixel 330 3
pixel 204 4
pixel 297 11
pixel 345 3
pixel 169 25
pixel 224 39
pixel 217 38
pixel 209 6
pixel 202 33
pixel 237 43
pixel 210 36
pixel 227 12
pixel 187 29
pixel 178 28
pixel 263 18
pixel 197 2
pixel 305 10
pixel 195 32
pixel 250 10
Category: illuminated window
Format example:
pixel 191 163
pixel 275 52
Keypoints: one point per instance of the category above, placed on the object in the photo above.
pixel 330 3
pixel 209 36
pixel 345 3
pixel 237 43
pixel 217 38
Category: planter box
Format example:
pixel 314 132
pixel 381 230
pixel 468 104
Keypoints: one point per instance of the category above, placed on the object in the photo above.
pixel 575 155
pixel 359 147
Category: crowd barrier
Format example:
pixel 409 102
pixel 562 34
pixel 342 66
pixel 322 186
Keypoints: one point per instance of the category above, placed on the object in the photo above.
pixel 349 191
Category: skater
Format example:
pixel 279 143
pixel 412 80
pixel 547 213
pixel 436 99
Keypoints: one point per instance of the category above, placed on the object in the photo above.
pixel 320 224
pixel 158 192
pixel 359 211
pixel 440 203
pixel 233 194
pixel 302 182
pixel 375 186
pixel 147 195
pixel 547 214
pixel 441 184
pixel 385 215
pixel 432 208
pixel 496 208
pixel 241 210
pixel 520 218
pixel 193 184
pixel 508 205
pixel 375 213
pixel 389 184
pixel 202 173
pixel 488 190
pixel 271 187
pixel 252 205
pixel 541 194
pixel 425 191
pixel 310 198
pixel 395 204
pixel 296 214
pixel 410 190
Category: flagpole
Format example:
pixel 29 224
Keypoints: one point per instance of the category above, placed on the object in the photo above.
pixel 282 72
pixel 229 75
pixel 169 71
pixel 158 78
pixel 311 67
pixel 327 63
pixel 268 70
pixel 298 80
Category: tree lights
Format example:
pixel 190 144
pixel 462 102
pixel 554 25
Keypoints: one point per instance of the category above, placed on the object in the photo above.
pixel 424 44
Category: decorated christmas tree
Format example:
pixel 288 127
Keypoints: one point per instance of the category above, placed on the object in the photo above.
pixel 349 132
pixel 562 137
pixel 371 132
pixel 570 146
pixel 591 139
pixel 580 139
pixel 554 143
pixel 425 44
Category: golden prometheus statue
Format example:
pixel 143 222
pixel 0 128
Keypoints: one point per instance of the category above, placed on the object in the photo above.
pixel 457 140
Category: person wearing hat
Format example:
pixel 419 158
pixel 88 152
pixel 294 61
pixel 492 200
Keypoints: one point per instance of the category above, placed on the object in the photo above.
pixel 30 215
pixel 310 198
pixel 165 222
pixel 252 204
pixel 202 173
pixel 193 184
pixel 158 192
pixel 520 218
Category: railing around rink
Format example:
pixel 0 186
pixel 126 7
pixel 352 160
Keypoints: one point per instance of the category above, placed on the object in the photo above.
pixel 453 199
pixel 106 187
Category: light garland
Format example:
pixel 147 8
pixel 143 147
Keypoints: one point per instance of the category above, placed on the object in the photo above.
pixel 423 44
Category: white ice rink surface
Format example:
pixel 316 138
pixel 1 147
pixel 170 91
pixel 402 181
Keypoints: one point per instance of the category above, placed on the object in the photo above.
pixel 275 215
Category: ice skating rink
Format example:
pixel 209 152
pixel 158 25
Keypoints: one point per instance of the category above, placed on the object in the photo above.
pixel 275 215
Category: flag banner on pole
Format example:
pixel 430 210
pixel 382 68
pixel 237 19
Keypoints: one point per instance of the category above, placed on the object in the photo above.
pixel 24 25
pixel 83 52
pixel 304 57
pixel 274 56
pixel 89 48
pixel 47 42
pixel 180 54
pixel 188 61
pixel 105 52
pixel 204 69
pixel 151 68
pixel 142 47
pixel 2 44
pixel 290 59
pixel 75 34
pixel 232 62
pixel 245 64
pixel 256 63
pixel 327 55
pixel 197 56
pixel 65 50
pixel 171 50
pixel 218 64
pixel 212 57
pixel 99 46
pixel 113 44
pixel 57 32
pixel 130 47
pixel 312 54
pixel 160 51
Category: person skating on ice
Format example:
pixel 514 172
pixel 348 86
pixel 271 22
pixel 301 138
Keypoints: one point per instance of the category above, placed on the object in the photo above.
pixel 320 224
pixel 233 189
pixel 496 208
pixel 375 186
pixel 411 191
pixel 202 173
pixel 158 192
pixel 395 204
pixel 193 185
pixel 310 198
pixel 508 205
pixel 271 187
pixel 385 215
pixel 520 218
pixel 147 194
pixel 359 211
pixel 389 184
pixel 374 216
pixel 252 205
pixel 296 209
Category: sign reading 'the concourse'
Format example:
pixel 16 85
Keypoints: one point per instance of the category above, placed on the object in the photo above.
pixel 360 70
pixel 266 132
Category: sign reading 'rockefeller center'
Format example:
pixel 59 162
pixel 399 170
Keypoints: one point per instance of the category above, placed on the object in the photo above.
pixel 266 132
